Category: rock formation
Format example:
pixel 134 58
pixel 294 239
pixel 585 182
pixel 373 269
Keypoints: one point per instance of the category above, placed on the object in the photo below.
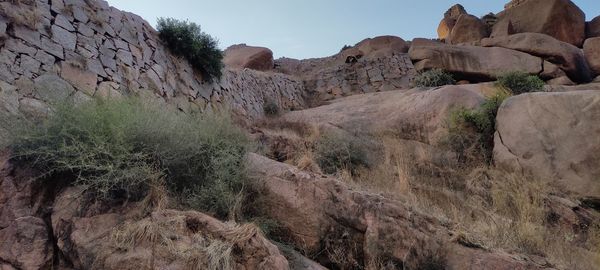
pixel 472 62
pixel 551 136
pixel 449 20
pixel 243 56
pixel 569 58
pixel 560 19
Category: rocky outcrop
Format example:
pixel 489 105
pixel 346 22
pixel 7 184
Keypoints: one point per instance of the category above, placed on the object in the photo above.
pixel 415 114
pixel 166 239
pixel 560 19
pixel 447 24
pixel 243 56
pixel 379 47
pixel 471 62
pixel 592 28
pixel 323 215
pixel 552 136
pixel 568 57
pixel 41 230
pixel 377 64
pixel 467 29
pixel 89 49
pixel 591 50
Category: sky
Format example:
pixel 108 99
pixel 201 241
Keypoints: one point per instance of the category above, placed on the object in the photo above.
pixel 313 28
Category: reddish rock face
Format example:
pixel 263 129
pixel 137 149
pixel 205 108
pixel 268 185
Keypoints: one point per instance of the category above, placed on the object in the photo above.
pixel 592 28
pixel 449 20
pixel 591 50
pixel 568 57
pixel 526 130
pixel 473 63
pixel 468 28
pixel 561 19
pixel 242 56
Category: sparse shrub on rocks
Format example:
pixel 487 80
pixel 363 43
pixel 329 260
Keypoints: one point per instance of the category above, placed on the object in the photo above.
pixel 519 82
pixel 117 149
pixel 337 152
pixel 187 40
pixel 271 108
pixel 433 78
pixel 471 132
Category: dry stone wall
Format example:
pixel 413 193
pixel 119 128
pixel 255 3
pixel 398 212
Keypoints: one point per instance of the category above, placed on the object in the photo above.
pixel 52 50
pixel 345 74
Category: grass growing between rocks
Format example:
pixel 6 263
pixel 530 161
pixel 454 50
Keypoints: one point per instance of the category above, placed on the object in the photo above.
pixel 433 78
pixel 518 82
pixel 484 207
pixel 118 149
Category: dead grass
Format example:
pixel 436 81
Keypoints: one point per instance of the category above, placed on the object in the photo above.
pixel 485 207
pixel 203 250
pixel 22 12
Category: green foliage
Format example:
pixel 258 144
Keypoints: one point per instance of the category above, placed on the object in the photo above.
pixel 118 148
pixel 270 108
pixel 186 39
pixel 519 82
pixel 336 152
pixel 471 132
pixel 433 78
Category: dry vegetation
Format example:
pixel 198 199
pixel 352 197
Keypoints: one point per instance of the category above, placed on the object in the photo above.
pixel 484 207
pixel 21 12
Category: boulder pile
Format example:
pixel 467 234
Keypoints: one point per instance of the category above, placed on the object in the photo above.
pixel 551 33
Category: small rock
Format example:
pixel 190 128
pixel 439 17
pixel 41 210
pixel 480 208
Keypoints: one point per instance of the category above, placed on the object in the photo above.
pixel 81 79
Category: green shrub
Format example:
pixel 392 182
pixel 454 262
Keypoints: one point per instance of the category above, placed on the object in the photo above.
pixel 433 78
pixel 519 82
pixel 118 148
pixel 270 107
pixel 471 132
pixel 186 39
pixel 336 152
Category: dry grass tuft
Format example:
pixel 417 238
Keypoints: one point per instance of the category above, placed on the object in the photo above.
pixel 22 12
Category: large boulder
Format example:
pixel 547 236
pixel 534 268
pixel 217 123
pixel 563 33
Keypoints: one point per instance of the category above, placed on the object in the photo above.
pixel 468 28
pixel 568 57
pixel 473 63
pixel 415 114
pixel 561 19
pixel 321 213
pixel 552 136
pixel 591 49
pixel 243 56
pixel 382 45
pixel 592 28
pixel 449 20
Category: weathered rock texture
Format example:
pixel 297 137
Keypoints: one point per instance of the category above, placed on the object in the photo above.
pixel 561 19
pixel 243 56
pixel 447 24
pixel 41 230
pixel 592 28
pixel 552 136
pixel 472 62
pixel 591 49
pixel 373 65
pixel 87 49
pixel 568 57
pixel 322 215
pixel 468 28
pixel 416 114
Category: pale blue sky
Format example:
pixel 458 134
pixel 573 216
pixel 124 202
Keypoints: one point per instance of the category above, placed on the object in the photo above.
pixel 314 28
